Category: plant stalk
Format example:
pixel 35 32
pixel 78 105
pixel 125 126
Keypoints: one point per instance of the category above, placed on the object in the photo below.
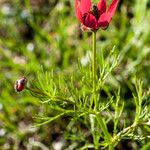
pixel 94 101
pixel 94 68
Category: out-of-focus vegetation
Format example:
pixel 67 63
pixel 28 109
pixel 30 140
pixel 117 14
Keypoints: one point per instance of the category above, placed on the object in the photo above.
pixel 46 33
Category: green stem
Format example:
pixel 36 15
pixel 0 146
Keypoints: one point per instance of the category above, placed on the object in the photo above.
pixel 104 128
pixel 101 122
pixel 94 68
pixel 93 101
pixel 47 95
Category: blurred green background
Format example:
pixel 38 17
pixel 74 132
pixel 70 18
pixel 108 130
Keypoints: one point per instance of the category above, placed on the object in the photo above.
pixel 35 33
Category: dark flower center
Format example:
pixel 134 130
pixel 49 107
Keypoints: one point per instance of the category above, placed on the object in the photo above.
pixel 95 12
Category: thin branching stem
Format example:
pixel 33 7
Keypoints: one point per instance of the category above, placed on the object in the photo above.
pixel 58 98
pixel 128 130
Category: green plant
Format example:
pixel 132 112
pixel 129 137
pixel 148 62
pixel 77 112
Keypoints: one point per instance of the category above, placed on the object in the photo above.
pixel 33 37
pixel 78 95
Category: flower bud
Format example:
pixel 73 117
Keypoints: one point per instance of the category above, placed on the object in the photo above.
pixel 20 84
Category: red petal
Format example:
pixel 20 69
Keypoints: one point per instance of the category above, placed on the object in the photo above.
pixel 85 6
pixel 90 21
pixel 104 20
pixel 78 11
pixel 102 6
pixel 113 7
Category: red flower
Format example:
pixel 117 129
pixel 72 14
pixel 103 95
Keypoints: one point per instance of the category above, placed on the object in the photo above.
pixel 20 84
pixel 93 18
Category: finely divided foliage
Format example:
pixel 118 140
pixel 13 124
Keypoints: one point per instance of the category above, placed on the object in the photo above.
pixel 74 94
pixel 84 97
